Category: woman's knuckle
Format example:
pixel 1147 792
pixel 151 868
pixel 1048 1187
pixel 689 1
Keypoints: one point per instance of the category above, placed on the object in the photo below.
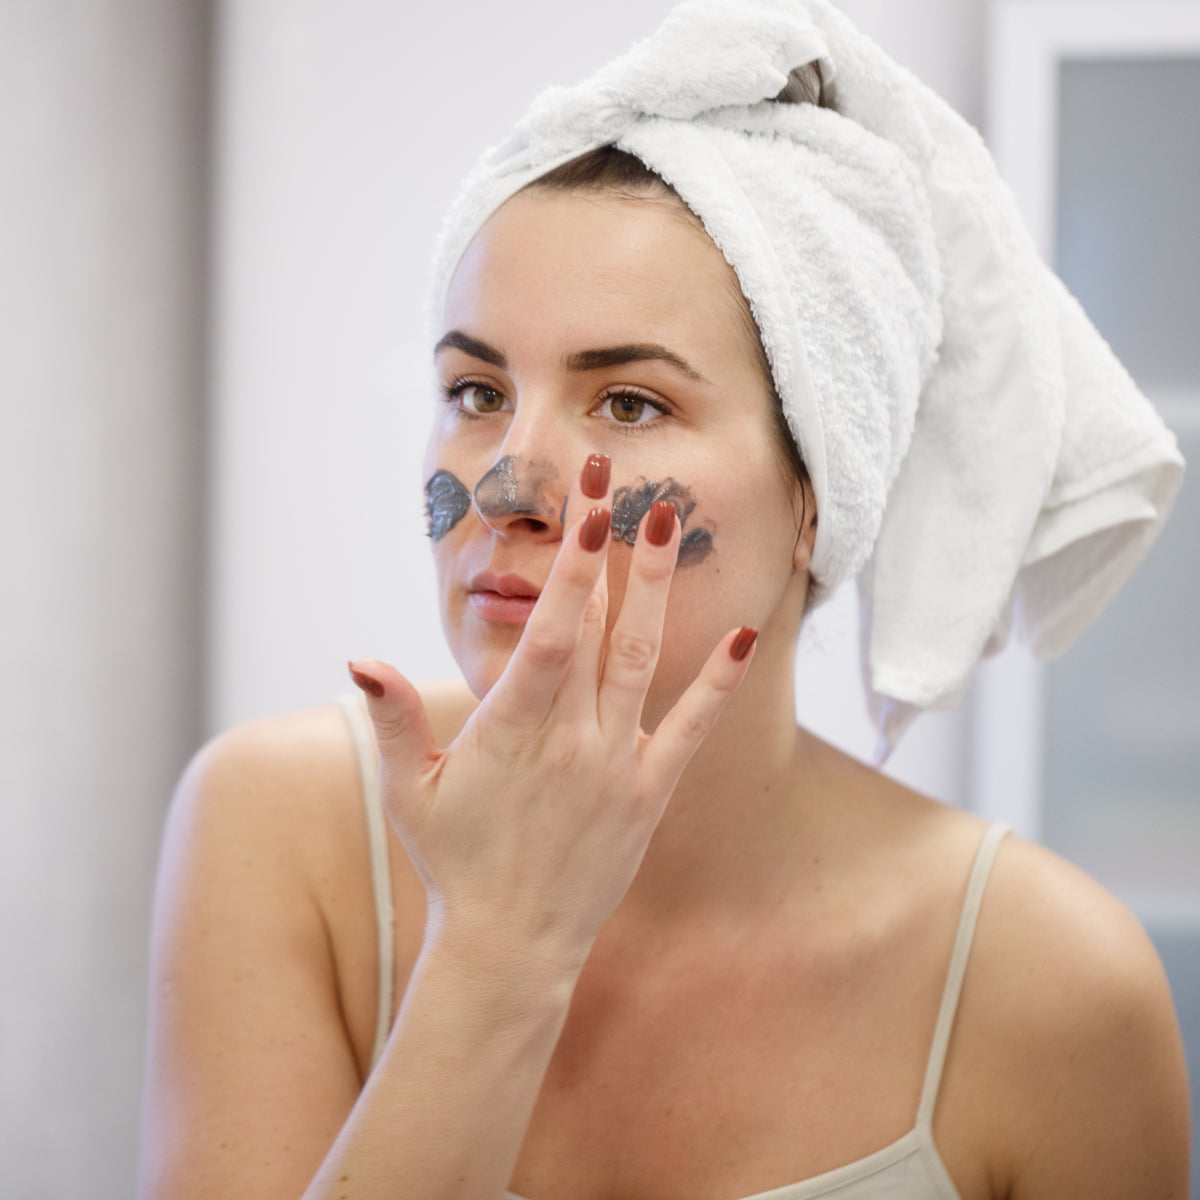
pixel 656 569
pixel 695 726
pixel 594 612
pixel 548 650
pixel 633 651
pixel 391 728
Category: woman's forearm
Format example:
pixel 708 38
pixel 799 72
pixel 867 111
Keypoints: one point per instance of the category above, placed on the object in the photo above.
pixel 445 1110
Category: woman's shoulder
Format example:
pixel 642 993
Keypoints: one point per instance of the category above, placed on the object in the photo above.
pixel 1068 1015
pixel 287 754
pixel 1058 942
pixel 292 781
pixel 268 775
pixel 1066 1036
pixel 1040 915
pixel 288 757
pixel 1066 1070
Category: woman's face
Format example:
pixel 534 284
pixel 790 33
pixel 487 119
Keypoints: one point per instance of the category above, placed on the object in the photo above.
pixel 581 323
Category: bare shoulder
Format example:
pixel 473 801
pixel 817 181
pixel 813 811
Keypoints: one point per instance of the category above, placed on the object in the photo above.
pixel 1073 1025
pixel 271 767
pixel 1072 953
pixel 263 973
pixel 242 964
pixel 287 789
pixel 301 763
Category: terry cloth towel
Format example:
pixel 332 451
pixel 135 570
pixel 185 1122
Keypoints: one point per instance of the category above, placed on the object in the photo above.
pixel 980 458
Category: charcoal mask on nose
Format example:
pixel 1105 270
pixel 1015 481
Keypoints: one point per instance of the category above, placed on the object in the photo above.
pixel 515 487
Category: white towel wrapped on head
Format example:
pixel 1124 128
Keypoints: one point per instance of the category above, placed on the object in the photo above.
pixel 979 457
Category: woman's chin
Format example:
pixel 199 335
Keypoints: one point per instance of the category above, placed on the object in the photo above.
pixel 482 670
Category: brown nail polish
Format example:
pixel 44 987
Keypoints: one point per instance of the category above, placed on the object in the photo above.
pixel 594 530
pixel 660 523
pixel 594 479
pixel 365 681
pixel 740 646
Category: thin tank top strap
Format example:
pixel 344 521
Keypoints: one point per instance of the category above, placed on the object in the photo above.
pixel 976 884
pixel 381 877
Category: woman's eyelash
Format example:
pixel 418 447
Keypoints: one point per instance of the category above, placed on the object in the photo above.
pixel 618 394
pixel 452 393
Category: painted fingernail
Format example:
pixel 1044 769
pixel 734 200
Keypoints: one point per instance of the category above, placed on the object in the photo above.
pixel 367 682
pixel 594 479
pixel 740 646
pixel 594 530
pixel 660 523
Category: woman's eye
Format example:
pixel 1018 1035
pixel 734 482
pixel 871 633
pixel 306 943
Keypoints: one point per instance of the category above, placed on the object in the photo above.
pixel 476 398
pixel 630 409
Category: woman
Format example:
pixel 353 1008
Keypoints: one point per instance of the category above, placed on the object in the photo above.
pixel 650 939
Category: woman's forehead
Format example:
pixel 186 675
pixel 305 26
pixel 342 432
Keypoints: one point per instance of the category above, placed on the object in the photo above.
pixel 595 265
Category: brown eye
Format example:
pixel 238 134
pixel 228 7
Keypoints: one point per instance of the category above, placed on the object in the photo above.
pixel 628 408
pixel 475 398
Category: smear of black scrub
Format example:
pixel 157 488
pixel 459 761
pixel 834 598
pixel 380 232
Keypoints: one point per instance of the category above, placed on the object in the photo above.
pixel 447 501
pixel 631 504
pixel 503 491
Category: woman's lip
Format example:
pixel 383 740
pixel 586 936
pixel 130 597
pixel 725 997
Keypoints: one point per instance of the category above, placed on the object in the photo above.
pixel 501 609
pixel 504 599
pixel 508 586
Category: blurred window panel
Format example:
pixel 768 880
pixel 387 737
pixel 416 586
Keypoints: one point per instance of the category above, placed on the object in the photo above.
pixel 1122 769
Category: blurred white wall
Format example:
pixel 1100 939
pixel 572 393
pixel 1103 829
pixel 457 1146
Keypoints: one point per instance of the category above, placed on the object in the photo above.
pixel 102 182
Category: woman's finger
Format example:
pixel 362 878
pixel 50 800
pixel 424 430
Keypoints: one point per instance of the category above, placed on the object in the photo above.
pixel 525 692
pixel 577 693
pixel 406 742
pixel 669 749
pixel 633 646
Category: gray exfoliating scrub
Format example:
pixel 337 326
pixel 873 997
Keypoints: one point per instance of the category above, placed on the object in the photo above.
pixel 503 492
pixel 446 503
pixel 630 505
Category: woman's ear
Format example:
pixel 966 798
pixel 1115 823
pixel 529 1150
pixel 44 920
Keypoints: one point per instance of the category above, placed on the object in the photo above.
pixel 807 536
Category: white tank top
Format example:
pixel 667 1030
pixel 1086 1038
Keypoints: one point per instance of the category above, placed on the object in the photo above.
pixel 909 1169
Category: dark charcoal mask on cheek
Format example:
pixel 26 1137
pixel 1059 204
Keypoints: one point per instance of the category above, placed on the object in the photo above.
pixel 505 491
pixel 447 501
pixel 630 505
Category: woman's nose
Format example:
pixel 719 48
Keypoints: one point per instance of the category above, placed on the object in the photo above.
pixel 521 494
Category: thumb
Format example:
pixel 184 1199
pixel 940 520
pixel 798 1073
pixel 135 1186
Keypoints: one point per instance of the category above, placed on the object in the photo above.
pixel 406 742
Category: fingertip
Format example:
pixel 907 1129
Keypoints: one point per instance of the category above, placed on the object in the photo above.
pixel 593 532
pixel 743 643
pixel 396 709
pixel 595 477
pixel 659 525
pixel 381 681
pixel 365 679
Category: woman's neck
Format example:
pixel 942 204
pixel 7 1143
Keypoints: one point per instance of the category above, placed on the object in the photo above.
pixel 746 804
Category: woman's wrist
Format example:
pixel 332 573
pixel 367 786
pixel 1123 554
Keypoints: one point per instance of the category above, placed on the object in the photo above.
pixel 512 974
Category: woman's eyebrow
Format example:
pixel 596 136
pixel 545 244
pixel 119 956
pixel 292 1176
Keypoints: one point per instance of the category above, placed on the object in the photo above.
pixel 472 346
pixel 615 356
pixel 581 360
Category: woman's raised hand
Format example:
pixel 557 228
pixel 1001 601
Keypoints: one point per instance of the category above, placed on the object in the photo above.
pixel 528 829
